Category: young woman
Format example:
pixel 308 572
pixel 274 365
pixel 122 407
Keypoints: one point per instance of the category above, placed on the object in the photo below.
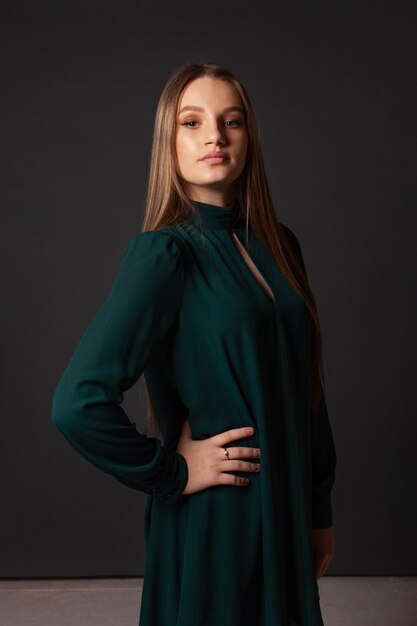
pixel 212 304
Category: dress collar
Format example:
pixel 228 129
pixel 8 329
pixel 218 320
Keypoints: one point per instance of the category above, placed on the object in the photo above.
pixel 213 216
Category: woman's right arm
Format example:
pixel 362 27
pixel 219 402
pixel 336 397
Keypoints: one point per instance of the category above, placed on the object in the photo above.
pixel 141 306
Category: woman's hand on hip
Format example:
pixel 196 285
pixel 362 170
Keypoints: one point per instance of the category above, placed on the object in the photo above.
pixel 207 462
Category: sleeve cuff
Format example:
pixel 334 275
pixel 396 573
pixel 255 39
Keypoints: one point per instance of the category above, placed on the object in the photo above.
pixel 165 477
pixel 176 479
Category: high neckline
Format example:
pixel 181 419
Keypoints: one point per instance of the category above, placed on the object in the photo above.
pixel 213 216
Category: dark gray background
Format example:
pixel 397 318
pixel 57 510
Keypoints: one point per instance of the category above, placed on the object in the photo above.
pixel 332 85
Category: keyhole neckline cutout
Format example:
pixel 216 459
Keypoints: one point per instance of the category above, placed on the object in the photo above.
pixel 254 272
pixel 219 217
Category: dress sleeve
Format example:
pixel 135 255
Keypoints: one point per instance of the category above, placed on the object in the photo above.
pixel 323 465
pixel 112 354
pixel 322 444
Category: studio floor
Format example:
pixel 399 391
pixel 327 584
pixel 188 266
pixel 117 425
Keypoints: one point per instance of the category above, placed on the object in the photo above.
pixel 345 601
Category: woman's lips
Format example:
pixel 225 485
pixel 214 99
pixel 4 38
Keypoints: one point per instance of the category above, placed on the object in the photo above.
pixel 214 160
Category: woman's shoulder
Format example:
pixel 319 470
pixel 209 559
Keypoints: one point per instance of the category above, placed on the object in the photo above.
pixel 293 239
pixel 152 247
pixel 290 233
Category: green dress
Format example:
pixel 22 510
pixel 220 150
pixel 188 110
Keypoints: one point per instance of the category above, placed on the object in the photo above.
pixel 187 312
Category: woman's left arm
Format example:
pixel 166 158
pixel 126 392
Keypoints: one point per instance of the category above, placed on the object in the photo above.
pixel 323 451
pixel 323 477
pixel 324 459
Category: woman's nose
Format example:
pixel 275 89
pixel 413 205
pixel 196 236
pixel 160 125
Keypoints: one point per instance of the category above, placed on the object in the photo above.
pixel 215 133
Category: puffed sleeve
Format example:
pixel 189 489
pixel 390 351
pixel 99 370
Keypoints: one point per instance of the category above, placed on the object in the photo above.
pixel 323 451
pixel 110 357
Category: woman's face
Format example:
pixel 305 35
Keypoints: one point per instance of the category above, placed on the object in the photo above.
pixel 210 118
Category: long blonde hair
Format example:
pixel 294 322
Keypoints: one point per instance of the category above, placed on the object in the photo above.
pixel 167 203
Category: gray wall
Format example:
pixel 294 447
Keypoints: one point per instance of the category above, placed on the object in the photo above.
pixel 334 94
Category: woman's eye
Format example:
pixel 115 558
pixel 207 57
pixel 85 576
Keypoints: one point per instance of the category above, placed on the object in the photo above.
pixel 227 122
pixel 237 122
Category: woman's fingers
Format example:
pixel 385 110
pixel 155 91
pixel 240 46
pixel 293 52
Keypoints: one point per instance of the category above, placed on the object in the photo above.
pixel 231 479
pixel 240 466
pixel 207 463
pixel 236 452
pixel 228 436
pixel 222 439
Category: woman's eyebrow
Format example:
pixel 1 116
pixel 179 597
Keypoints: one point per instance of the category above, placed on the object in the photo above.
pixel 195 108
